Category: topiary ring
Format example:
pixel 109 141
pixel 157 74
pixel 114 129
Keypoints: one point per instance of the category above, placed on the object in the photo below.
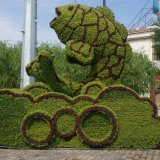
pixel 56 116
pixel 100 142
pixel 25 126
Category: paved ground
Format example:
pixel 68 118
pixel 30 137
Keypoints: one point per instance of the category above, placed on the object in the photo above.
pixel 72 154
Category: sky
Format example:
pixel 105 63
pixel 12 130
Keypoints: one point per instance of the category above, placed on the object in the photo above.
pixel 12 16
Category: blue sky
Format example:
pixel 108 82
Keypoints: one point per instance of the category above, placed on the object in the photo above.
pixel 12 14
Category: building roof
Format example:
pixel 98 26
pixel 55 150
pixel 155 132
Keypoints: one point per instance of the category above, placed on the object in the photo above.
pixel 140 30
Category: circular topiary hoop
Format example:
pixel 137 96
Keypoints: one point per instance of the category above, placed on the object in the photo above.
pixel 98 143
pixel 67 111
pixel 25 125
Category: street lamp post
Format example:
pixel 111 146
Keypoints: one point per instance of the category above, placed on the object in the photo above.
pixel 29 40
pixel 104 3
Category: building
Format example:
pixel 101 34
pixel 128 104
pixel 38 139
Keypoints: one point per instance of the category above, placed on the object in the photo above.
pixel 141 41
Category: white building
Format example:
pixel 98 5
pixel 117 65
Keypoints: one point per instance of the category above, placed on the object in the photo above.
pixel 141 41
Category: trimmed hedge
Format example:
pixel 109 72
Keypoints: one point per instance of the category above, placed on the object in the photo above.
pixel 132 113
pixel 31 135
pixel 37 89
pixel 65 126
pixel 93 88
pixel 95 141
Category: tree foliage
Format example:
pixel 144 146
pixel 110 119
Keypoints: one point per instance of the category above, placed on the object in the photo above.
pixel 140 73
pixel 156 40
pixel 10 58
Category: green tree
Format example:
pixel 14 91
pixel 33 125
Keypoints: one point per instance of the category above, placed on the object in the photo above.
pixel 10 65
pixel 140 73
pixel 156 40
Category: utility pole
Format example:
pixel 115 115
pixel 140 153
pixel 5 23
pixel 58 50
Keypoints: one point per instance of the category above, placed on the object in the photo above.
pixel 29 40
pixel 104 3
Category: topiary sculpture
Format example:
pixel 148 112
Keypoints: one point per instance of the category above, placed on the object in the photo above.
pixel 103 114
pixel 92 37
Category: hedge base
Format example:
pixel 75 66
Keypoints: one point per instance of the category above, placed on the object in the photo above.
pixel 109 119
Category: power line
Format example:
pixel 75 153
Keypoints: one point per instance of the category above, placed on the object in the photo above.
pixel 140 11
pixel 142 16
pixel 76 1
pixel 142 19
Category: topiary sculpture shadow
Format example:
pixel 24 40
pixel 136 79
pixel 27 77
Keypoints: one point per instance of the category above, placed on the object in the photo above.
pixel 96 112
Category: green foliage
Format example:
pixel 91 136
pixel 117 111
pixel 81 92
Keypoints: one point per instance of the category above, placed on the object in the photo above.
pixel 80 51
pixel 96 121
pixel 72 71
pixel 122 30
pixel 96 56
pixel 140 73
pixel 10 65
pixel 106 12
pixel 38 129
pixel 91 37
pixel 132 114
pixel 93 88
pixel 37 88
pixel 42 69
pixel 65 123
pixel 156 40
pixel 86 32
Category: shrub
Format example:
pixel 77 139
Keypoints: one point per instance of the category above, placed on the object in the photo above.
pixel 132 114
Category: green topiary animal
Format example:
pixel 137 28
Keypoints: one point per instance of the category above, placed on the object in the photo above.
pixel 92 37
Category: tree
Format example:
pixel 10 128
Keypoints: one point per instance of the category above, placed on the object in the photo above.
pixel 10 65
pixel 140 73
pixel 156 40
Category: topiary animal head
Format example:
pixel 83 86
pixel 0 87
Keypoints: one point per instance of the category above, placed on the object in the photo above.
pixel 64 14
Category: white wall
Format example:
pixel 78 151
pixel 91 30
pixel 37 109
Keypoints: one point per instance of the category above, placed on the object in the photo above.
pixel 144 46
pixel 142 42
